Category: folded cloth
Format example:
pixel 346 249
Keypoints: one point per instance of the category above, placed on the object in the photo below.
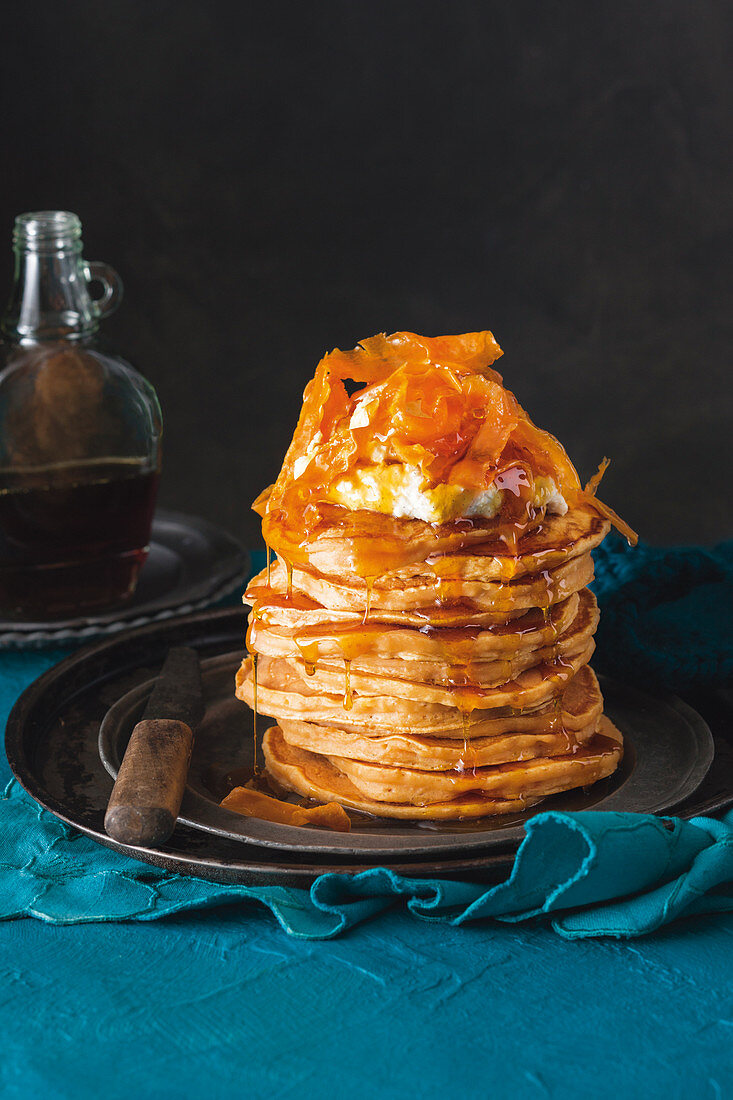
pixel 665 621
pixel 591 874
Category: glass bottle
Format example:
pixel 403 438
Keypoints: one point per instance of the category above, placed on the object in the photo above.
pixel 79 435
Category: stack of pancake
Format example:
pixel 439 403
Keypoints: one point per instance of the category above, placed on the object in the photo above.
pixel 455 683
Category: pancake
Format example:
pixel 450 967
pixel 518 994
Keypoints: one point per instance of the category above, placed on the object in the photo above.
pixel 288 693
pixel 541 775
pixel 530 688
pixel 488 791
pixel 390 593
pixel 272 604
pixel 475 555
pixel 433 753
pixel 452 660
pixel 344 539
pixel 428 644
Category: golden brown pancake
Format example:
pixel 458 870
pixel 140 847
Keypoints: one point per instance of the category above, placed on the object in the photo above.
pixel 407 750
pixel 454 660
pixel 531 688
pixel 273 605
pixel 380 641
pixel 416 795
pixel 388 593
pixel 479 555
pixel 288 693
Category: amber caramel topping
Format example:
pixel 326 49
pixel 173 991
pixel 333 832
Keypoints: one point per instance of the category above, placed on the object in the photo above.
pixel 432 403
pixel 251 803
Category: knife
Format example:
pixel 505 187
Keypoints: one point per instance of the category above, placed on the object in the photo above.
pixel 145 800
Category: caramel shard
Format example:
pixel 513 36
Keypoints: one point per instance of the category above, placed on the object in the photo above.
pixel 251 803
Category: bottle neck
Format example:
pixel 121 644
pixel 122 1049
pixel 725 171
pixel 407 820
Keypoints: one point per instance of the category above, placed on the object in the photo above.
pixel 50 297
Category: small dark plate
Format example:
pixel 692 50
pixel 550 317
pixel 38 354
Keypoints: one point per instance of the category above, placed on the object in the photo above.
pixel 52 746
pixel 191 565
pixel 668 750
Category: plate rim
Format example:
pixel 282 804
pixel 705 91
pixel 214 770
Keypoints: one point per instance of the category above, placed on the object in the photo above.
pixel 102 660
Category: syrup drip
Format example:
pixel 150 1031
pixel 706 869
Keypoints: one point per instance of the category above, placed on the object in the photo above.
pixel 468 759
pixel 557 724
pixel 269 560
pixel 550 622
pixel 255 765
pixel 510 537
pixel 309 653
pixel 369 586
pixel 348 697
pixel 558 670
pixel 289 567
pixel 351 641
pixel 249 643
pixel 465 707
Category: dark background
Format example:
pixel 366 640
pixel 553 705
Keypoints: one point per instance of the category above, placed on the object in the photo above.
pixel 275 180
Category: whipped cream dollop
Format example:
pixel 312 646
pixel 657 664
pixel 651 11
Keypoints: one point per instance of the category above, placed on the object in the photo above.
pixel 396 489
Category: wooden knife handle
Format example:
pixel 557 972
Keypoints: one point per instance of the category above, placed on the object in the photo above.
pixel 147 794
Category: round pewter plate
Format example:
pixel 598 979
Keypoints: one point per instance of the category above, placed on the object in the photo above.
pixel 191 565
pixel 52 746
pixel 668 751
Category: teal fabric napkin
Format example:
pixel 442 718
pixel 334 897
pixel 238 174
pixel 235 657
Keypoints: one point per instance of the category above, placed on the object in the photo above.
pixel 591 874
pixel 665 616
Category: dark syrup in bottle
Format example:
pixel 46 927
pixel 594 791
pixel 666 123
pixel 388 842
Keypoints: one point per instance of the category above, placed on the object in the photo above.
pixel 74 538
pixel 80 433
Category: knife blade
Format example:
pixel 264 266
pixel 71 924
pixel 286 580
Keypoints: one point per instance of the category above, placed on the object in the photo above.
pixel 146 798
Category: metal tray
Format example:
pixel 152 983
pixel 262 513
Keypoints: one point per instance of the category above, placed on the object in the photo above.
pixel 668 750
pixel 52 746
pixel 191 565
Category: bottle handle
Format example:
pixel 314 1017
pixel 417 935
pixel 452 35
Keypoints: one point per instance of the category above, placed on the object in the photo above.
pixel 96 271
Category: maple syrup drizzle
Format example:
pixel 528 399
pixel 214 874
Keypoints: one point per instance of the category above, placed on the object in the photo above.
pixel 268 551
pixel 249 643
pixel 348 697
pixel 309 654
pixel 468 757
pixel 289 567
pixel 255 764
pixel 556 662
pixel 557 724
pixel 510 538
pixel 369 586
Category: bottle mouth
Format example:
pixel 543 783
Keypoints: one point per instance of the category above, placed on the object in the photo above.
pixel 45 229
